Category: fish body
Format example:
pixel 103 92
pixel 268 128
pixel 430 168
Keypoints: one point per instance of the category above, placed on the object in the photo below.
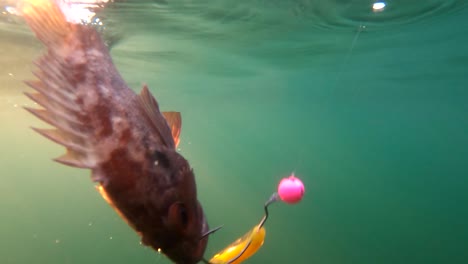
pixel 122 137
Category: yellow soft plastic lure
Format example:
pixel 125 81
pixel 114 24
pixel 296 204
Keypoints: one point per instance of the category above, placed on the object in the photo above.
pixel 241 249
pixel 247 245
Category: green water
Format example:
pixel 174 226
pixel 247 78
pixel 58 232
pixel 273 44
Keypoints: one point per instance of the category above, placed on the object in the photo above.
pixel 369 110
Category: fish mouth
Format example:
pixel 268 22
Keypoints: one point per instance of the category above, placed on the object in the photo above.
pixel 192 249
pixel 203 239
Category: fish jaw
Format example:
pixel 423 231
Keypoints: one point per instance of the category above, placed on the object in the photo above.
pixel 191 250
pixel 182 248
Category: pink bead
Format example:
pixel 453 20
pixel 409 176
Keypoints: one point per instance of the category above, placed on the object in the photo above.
pixel 291 189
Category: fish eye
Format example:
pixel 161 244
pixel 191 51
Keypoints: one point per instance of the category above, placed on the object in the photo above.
pixel 179 215
pixel 183 215
pixel 160 158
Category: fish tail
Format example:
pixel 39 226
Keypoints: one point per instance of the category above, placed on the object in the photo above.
pixel 47 20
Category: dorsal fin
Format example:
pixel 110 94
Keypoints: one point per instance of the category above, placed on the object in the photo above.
pixel 174 120
pixel 151 109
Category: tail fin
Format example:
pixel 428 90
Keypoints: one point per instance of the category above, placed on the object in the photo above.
pixel 47 20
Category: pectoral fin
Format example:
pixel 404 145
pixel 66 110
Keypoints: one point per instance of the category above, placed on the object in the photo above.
pixel 174 120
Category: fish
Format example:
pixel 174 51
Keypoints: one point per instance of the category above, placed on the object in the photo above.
pixel 127 143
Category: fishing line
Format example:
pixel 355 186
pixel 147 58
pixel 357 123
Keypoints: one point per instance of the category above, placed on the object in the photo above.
pixel 336 83
pixel 361 28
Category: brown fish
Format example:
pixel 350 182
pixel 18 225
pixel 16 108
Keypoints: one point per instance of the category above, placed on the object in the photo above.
pixel 122 137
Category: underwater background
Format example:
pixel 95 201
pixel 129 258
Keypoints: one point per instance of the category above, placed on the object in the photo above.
pixel 368 105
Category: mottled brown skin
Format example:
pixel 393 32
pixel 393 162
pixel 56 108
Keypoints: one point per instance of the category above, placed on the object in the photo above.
pixel 146 202
pixel 121 136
